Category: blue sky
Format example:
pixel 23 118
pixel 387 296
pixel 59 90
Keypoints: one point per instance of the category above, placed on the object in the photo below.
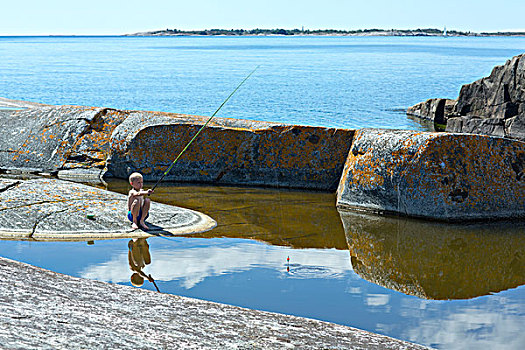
pixel 50 17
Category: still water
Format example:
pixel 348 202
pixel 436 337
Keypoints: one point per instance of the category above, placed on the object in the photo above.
pixel 350 82
pixel 440 285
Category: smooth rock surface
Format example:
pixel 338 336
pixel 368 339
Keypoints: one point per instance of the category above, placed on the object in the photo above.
pixel 228 151
pixel 49 209
pixel 43 309
pixel 439 176
pixel 50 138
pixel 428 259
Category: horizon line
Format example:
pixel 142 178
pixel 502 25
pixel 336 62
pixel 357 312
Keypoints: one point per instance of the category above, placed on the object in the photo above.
pixel 301 30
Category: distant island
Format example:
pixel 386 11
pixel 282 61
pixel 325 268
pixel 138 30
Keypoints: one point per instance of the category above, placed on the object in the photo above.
pixel 332 32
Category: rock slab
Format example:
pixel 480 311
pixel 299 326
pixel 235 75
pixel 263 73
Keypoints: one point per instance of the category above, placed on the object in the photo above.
pixel 50 209
pixel 43 309
pixel 439 176
pixel 229 151
pixel 51 138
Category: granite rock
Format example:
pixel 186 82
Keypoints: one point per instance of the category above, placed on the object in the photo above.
pixel 440 176
pixel 50 209
pixel 41 309
pixel 50 138
pixel 229 151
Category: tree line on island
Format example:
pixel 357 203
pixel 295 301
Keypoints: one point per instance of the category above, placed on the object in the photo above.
pixel 358 32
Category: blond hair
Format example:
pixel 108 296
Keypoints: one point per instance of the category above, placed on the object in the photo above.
pixel 134 176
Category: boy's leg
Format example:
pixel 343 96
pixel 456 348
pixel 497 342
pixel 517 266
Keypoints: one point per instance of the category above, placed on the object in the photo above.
pixel 135 210
pixel 145 213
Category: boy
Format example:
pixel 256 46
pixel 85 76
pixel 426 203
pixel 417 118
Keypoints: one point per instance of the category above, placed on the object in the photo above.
pixel 138 206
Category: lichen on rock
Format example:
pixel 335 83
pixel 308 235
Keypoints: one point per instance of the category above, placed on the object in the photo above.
pixel 439 176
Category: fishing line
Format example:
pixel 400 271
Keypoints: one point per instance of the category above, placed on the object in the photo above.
pixel 202 128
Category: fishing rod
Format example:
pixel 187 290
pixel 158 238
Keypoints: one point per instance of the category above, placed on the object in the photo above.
pixel 205 124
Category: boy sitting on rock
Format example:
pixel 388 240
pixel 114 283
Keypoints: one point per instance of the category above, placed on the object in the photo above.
pixel 138 206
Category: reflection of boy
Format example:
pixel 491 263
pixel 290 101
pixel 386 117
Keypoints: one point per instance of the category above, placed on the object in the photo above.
pixel 138 258
pixel 138 206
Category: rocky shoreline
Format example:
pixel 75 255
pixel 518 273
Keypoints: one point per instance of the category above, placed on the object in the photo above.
pixel 447 177
pixel 436 176
pixel 493 105
pixel 43 309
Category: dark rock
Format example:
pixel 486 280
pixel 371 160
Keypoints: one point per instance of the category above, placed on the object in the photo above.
pixel 437 110
pixel 494 105
pixel 515 127
pixel 439 176
pixel 455 124
pixel 485 126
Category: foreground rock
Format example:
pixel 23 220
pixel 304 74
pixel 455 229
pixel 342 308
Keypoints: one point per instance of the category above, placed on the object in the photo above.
pixel 43 309
pixel 440 176
pixel 428 259
pixel 494 105
pixel 49 209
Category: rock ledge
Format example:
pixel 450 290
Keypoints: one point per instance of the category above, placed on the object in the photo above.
pixel 43 309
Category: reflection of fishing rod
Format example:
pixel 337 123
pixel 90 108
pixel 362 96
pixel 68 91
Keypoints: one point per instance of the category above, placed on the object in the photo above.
pixel 198 132
pixel 153 281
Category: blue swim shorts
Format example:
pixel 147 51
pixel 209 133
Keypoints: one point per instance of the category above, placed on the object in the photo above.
pixel 130 216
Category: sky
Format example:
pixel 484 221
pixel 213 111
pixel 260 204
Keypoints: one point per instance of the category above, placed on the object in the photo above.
pixel 108 17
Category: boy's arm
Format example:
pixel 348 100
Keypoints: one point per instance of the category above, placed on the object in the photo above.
pixel 145 192
pixel 141 192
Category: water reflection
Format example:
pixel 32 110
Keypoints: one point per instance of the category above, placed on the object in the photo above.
pixel 190 262
pixel 318 283
pixel 138 258
pixel 433 260
pixel 280 217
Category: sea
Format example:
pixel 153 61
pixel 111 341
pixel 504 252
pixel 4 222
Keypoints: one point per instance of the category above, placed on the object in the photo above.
pixel 279 250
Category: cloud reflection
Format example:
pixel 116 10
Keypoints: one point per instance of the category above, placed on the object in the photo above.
pixel 377 299
pixel 497 325
pixel 192 264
